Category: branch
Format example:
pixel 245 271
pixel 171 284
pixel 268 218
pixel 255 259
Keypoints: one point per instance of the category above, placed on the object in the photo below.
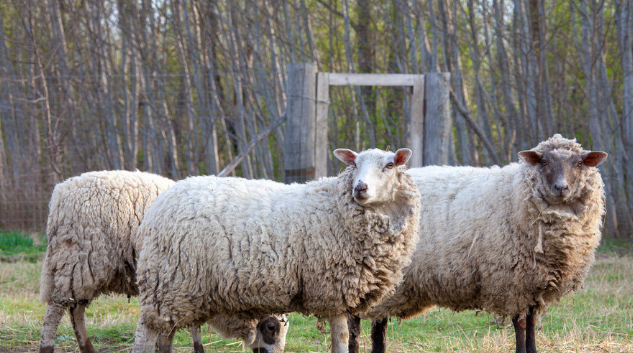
pixel 473 125
pixel 235 162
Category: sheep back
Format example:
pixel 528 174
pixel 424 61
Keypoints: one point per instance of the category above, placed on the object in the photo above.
pixel 479 237
pixel 250 247
pixel 91 223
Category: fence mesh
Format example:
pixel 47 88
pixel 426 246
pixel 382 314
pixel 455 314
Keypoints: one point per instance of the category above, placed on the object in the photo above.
pixel 168 128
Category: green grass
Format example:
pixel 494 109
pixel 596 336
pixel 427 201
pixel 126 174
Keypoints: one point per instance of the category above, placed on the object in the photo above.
pixel 15 246
pixel 598 318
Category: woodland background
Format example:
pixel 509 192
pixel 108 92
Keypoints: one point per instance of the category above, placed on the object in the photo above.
pixel 179 87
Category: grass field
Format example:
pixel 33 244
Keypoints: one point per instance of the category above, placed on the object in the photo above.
pixel 598 318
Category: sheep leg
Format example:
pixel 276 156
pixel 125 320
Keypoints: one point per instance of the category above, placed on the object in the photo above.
pixel 144 338
pixel 379 335
pixel 353 322
pixel 196 335
pixel 77 318
pixel 519 328
pixel 530 334
pixel 54 313
pixel 339 333
pixel 165 343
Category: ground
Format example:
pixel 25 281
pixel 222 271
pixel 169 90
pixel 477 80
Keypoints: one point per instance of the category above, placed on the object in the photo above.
pixel 598 318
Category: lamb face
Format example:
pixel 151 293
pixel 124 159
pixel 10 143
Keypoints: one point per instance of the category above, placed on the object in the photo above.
pixel 271 334
pixel 561 169
pixel 375 173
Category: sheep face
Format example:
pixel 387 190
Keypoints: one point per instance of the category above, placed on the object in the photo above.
pixel 271 334
pixel 561 169
pixel 375 173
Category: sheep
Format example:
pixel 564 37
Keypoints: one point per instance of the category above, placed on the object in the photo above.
pixel 249 247
pixel 268 335
pixel 509 240
pixel 92 250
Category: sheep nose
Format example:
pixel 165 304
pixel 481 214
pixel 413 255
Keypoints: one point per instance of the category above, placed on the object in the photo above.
pixel 360 189
pixel 560 189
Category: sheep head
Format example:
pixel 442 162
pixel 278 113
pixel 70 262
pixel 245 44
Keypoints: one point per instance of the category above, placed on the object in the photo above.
pixel 374 176
pixel 560 169
pixel 270 334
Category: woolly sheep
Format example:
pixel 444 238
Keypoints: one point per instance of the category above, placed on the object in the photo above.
pixel 510 240
pixel 92 251
pixel 249 247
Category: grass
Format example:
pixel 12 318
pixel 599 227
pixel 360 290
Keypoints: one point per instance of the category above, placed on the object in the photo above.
pixel 598 318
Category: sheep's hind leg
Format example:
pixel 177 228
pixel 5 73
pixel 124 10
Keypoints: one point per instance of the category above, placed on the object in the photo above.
pixel 354 325
pixel 77 318
pixel 54 313
pixel 196 335
pixel 379 335
pixel 530 332
pixel 519 328
pixel 144 338
pixel 339 333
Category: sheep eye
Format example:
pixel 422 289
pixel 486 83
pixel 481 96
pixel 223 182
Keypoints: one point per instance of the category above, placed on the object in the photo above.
pixel 544 163
pixel 389 166
pixel 579 164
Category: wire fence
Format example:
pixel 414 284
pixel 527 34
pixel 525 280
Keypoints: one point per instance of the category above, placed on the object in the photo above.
pixel 174 130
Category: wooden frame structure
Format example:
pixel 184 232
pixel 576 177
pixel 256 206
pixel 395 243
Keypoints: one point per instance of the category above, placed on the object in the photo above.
pixel 306 140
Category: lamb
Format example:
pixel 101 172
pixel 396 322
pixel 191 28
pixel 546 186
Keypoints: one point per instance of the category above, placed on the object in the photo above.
pixel 267 335
pixel 249 247
pixel 509 240
pixel 92 250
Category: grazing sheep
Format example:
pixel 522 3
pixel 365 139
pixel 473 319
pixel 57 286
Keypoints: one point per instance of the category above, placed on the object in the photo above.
pixel 92 251
pixel 509 240
pixel 249 247
pixel 267 335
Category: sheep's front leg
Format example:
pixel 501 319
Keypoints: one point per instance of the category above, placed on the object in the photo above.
pixel 519 328
pixel 339 333
pixel 144 338
pixel 77 317
pixel 530 334
pixel 54 313
pixel 379 335
pixel 354 325
pixel 196 335
pixel 164 343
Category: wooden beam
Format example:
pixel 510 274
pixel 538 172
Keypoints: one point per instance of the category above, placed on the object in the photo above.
pixel 246 150
pixel 416 132
pixel 339 79
pixel 438 125
pixel 322 148
pixel 299 144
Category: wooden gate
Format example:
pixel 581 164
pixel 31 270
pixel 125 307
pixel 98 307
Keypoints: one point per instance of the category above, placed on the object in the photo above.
pixel 306 139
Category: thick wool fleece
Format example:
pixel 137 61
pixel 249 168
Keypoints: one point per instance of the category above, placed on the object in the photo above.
pixel 479 242
pixel 92 220
pixel 251 247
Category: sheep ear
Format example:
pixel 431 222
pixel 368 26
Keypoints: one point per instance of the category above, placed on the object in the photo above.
pixel 402 156
pixel 593 159
pixel 530 157
pixel 346 156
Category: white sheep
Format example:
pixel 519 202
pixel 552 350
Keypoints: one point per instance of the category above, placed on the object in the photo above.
pixel 92 250
pixel 249 247
pixel 509 240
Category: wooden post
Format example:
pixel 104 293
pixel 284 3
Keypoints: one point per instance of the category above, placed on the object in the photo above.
pixel 437 122
pixel 416 133
pixel 299 146
pixel 322 107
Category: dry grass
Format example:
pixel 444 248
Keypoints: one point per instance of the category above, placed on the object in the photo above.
pixel 596 319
